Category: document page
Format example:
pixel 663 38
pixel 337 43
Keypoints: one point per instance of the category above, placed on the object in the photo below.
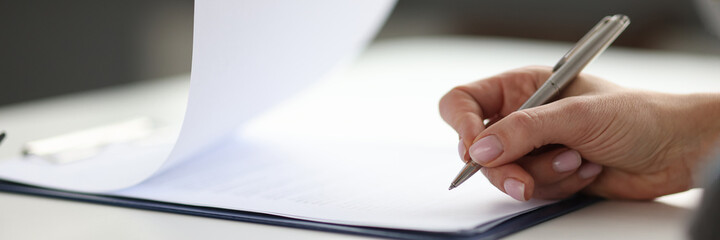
pixel 250 55
pixel 365 148
pixel 247 57
pixel 356 183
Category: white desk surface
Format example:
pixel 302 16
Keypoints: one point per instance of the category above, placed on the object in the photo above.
pixel 27 217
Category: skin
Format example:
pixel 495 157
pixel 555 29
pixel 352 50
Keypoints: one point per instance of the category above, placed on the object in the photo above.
pixel 615 142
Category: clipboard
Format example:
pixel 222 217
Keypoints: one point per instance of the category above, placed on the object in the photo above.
pixel 504 228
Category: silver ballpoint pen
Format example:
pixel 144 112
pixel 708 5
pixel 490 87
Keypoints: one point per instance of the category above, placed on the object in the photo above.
pixel 569 66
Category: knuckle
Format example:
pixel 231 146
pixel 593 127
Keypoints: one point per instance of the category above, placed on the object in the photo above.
pixel 462 89
pixel 522 125
pixel 444 100
pixel 525 120
pixel 458 92
pixel 448 101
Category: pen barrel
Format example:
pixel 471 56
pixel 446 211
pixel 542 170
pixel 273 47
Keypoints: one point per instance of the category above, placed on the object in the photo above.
pixel 580 56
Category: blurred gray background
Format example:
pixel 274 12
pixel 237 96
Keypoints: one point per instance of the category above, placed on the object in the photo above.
pixel 51 48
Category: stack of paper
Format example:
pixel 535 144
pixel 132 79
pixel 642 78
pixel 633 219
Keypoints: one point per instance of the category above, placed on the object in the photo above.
pixel 353 149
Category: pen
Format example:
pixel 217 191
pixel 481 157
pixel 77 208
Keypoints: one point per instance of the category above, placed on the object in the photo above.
pixel 569 66
pixel 2 136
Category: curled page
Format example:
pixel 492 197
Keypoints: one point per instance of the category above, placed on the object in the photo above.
pixel 248 55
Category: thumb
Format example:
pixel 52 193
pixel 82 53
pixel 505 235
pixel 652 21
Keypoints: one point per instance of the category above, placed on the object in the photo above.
pixel 568 121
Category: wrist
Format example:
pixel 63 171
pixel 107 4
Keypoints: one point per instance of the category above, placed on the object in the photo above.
pixel 698 121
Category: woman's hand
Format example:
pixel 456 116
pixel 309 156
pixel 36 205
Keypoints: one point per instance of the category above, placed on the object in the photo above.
pixel 597 137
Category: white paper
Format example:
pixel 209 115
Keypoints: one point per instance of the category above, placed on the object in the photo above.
pixel 358 149
pixel 346 182
pixel 365 148
pixel 115 167
pixel 247 56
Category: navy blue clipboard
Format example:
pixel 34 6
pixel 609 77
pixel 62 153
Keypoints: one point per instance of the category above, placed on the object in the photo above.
pixel 505 228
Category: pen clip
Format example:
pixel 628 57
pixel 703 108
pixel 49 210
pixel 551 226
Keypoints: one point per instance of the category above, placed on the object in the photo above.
pixel 79 145
pixel 602 23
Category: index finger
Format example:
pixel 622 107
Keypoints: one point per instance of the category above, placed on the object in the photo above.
pixel 465 107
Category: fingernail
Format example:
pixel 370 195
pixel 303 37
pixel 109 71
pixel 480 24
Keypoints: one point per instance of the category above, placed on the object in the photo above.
pixel 589 170
pixel 486 149
pixel 515 189
pixel 567 161
pixel 461 149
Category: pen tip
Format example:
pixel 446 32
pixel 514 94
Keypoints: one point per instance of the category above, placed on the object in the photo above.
pixel 451 187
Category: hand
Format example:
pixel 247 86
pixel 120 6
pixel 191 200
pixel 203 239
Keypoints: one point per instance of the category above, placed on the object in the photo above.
pixel 598 138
